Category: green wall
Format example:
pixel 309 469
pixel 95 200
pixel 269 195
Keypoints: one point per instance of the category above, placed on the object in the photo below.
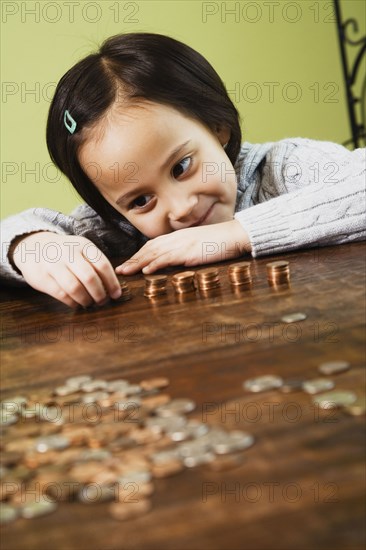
pixel 279 60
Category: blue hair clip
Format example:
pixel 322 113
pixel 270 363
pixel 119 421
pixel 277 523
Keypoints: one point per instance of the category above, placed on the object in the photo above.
pixel 69 122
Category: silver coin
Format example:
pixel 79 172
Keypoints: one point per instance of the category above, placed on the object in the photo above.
pixel 51 414
pixel 99 455
pixel 293 317
pixel 117 385
pixel 197 459
pixel 358 408
pixel 135 476
pixel 263 383
pixel 77 381
pixel 192 430
pixel 317 385
pixel 333 367
pixel 192 448
pixel 160 424
pixel 94 397
pixel 63 391
pixel 51 443
pixel 132 389
pixel 235 441
pixel 334 399
pixel 8 513
pixel 13 404
pixel 94 385
pixel 176 407
pixel 165 456
pixel 94 493
pixel 30 412
pixel 291 385
pixel 3 471
pixel 42 507
pixel 7 419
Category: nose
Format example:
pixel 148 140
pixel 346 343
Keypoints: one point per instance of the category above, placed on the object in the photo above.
pixel 181 207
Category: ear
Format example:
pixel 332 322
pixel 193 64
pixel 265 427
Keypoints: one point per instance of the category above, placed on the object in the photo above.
pixel 223 134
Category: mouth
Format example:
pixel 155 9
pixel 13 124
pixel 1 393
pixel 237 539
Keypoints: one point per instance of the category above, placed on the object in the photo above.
pixel 203 218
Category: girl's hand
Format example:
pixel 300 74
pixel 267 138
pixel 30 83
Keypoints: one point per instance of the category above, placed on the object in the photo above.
pixel 191 246
pixel 69 268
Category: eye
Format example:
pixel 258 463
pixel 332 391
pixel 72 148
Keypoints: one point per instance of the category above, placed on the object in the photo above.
pixel 140 202
pixel 181 167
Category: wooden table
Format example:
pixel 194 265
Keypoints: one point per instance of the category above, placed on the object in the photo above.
pixel 302 483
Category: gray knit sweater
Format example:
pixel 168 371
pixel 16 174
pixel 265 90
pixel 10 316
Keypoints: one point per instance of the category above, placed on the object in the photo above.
pixel 291 194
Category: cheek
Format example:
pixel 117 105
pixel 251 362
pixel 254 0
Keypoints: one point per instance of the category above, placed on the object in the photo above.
pixel 150 226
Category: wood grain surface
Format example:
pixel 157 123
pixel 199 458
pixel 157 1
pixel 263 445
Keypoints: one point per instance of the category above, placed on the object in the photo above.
pixel 302 484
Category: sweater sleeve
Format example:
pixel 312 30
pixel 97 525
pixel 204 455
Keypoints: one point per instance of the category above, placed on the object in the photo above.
pixel 112 240
pixel 308 193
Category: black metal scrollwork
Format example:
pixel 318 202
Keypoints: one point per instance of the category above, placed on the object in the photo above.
pixel 352 72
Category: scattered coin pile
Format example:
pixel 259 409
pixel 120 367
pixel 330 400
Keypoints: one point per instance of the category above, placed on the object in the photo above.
pixel 240 274
pixel 155 285
pixel 278 273
pixel 184 282
pixel 103 441
pixel 344 399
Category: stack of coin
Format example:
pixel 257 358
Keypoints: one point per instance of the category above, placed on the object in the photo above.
pixel 126 293
pixel 278 273
pixel 239 274
pixel 183 282
pixel 208 278
pixel 155 285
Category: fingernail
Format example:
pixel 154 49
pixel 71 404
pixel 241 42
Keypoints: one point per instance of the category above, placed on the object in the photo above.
pixel 116 294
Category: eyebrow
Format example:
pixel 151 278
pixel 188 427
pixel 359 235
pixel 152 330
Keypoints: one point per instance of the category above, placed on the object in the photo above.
pixel 125 197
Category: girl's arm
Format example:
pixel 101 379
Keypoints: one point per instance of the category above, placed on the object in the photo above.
pixel 307 193
pixel 64 256
pixel 292 194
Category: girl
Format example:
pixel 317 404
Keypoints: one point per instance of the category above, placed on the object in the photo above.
pixel 145 131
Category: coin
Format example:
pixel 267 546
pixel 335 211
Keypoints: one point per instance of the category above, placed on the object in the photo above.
pixel 263 383
pixel 207 278
pixel 184 282
pixel 176 407
pixel 289 386
pixel 293 317
pixel 154 383
pixel 41 507
pixel 77 380
pixel 14 404
pixel 8 513
pixel 318 385
pixel 333 367
pixel 278 272
pixel 331 400
pixel 7 419
pixel 155 285
pixel 94 493
pixel 358 408
pixel 240 274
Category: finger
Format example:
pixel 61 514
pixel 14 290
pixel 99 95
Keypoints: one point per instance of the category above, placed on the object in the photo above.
pixel 108 277
pixel 89 279
pixel 72 287
pixel 164 260
pixel 133 265
pixel 52 288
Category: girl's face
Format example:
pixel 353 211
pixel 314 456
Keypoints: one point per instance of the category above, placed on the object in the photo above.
pixel 162 170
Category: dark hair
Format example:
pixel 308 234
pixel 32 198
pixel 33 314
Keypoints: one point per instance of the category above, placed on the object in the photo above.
pixel 143 66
